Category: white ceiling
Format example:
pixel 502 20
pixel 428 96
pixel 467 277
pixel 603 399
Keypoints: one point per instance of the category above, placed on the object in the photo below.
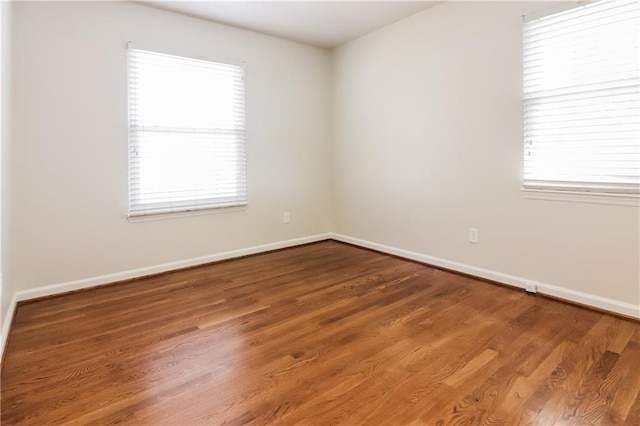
pixel 324 24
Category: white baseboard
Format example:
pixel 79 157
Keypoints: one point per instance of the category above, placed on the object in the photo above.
pixel 6 323
pixel 165 267
pixel 543 288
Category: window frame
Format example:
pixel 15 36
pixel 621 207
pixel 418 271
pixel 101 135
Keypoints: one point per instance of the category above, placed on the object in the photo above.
pixel 137 212
pixel 572 191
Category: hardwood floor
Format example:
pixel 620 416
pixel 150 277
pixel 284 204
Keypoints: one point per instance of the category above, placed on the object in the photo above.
pixel 320 334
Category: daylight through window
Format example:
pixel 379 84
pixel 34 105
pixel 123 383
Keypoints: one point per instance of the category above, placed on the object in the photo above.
pixel 582 98
pixel 186 134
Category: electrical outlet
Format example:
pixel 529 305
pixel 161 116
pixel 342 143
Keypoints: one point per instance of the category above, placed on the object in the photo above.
pixel 530 287
pixel 286 217
pixel 473 235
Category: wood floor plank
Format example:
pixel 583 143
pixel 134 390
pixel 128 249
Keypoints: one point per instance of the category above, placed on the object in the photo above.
pixel 325 333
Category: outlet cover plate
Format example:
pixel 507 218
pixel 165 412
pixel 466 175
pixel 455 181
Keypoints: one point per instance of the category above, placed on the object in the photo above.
pixel 473 235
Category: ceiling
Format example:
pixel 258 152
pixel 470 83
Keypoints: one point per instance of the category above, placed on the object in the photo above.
pixel 324 24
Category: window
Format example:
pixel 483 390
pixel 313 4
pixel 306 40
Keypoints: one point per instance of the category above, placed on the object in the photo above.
pixel 582 99
pixel 186 134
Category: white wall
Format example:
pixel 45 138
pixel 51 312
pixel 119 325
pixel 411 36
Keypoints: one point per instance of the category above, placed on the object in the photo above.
pixel 428 142
pixel 70 141
pixel 6 268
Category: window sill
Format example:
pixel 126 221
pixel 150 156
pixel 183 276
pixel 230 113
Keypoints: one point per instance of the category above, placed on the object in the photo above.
pixel 630 200
pixel 179 215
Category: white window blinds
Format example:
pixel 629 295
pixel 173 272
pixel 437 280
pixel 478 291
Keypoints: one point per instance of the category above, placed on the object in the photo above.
pixel 186 134
pixel 582 98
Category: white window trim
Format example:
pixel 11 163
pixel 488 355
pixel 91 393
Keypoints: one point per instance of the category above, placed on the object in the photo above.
pixel 568 194
pixel 144 216
pixel 568 5
pixel 152 217
pixel 185 54
pixel 629 200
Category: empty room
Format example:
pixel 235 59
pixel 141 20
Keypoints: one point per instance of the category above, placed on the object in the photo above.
pixel 320 212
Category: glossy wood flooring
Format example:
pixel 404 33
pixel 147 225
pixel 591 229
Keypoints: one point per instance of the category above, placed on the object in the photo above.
pixel 320 334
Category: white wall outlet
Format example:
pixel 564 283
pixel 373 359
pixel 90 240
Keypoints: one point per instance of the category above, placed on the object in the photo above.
pixel 473 235
pixel 286 217
pixel 530 287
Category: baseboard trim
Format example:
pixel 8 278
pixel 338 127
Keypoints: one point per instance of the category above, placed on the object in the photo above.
pixel 6 325
pixel 587 299
pixel 66 287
